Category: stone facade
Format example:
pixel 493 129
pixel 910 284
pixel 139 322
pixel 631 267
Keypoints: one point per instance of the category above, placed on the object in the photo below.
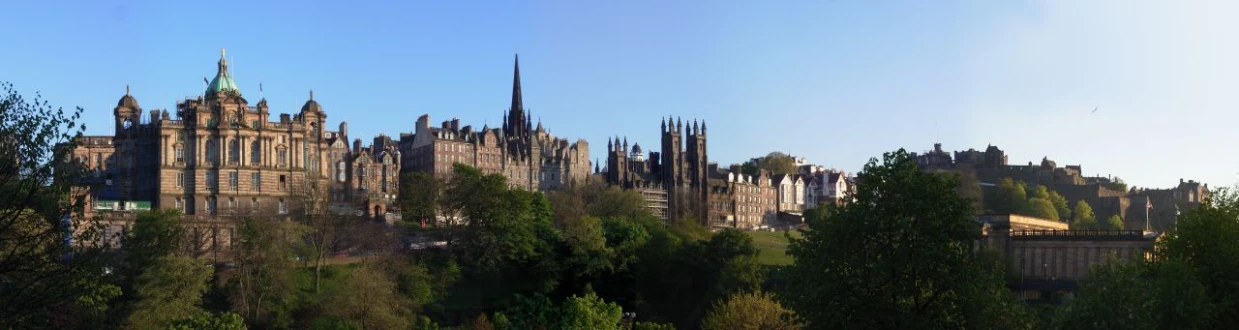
pixel 217 155
pixel 695 188
pixel 1140 208
pixel 531 158
pixel 1050 259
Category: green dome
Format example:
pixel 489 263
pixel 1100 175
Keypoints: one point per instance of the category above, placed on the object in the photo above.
pixel 223 81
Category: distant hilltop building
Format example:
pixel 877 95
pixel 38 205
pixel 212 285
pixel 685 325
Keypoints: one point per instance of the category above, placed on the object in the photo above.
pixel 531 158
pixel 1155 209
pixel 218 155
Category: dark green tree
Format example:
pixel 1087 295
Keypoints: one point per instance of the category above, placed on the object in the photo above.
pixel 208 320
pixel 419 196
pixel 1207 239
pixel 40 275
pixel 1137 294
pixel 900 256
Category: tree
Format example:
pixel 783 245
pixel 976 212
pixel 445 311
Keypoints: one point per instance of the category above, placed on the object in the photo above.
pixel 900 256
pixel 419 196
pixel 1040 208
pixel 261 285
pixel 1114 222
pixel 1207 239
pixel 155 235
pixel 40 272
pixel 169 289
pixel 1082 216
pixel 1009 197
pixel 1139 294
pixel 589 312
pixel 750 311
pixel 322 231
pixel 774 162
pixel 969 187
pixel 369 300
pixel 1038 191
pixel 1060 205
pixel 208 320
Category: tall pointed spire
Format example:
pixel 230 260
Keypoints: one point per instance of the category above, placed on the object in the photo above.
pixel 518 107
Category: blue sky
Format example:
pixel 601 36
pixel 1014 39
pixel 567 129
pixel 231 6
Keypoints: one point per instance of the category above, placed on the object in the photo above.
pixel 836 81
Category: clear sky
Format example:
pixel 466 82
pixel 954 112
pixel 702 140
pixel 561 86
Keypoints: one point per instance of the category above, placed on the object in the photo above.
pixel 836 81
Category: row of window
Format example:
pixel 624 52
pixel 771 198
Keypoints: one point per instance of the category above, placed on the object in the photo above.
pixel 233 180
pixel 234 154
pixel 211 207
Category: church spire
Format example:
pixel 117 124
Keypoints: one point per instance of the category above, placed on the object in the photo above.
pixel 517 111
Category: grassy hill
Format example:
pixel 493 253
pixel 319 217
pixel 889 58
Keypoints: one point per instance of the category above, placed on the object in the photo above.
pixel 773 246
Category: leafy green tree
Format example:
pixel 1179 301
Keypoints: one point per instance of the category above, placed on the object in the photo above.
pixel 589 312
pixel 496 224
pixel 652 326
pixel 536 312
pixel 1060 205
pixel 419 196
pixel 261 286
pixel 369 300
pixel 208 320
pixel 39 274
pixel 774 162
pixel 155 234
pixel 1009 197
pixel 169 289
pixel 1038 191
pixel 1040 208
pixel 750 311
pixel 1114 222
pixel 1082 217
pixel 968 186
pixel 588 253
pixel 1207 239
pixel 901 256
pixel 1139 295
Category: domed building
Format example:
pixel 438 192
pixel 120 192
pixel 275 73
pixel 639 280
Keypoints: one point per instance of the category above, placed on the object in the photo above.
pixel 216 155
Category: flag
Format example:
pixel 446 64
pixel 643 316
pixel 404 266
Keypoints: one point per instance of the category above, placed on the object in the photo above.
pixel 1148 203
pixel 205 81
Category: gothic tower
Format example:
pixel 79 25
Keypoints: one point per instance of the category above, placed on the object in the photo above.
pixel 672 165
pixel 516 121
pixel 698 164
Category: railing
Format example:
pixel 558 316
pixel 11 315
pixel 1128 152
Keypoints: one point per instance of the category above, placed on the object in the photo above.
pixel 1077 233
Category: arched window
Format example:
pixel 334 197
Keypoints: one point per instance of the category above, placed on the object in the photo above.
pixel 211 149
pixel 234 151
pixel 255 153
pixel 340 174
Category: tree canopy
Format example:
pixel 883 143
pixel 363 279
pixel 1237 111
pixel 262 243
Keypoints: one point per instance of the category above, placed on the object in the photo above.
pixel 898 257
pixel 1082 217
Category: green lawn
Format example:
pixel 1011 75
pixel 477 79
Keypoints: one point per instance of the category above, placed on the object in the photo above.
pixel 773 246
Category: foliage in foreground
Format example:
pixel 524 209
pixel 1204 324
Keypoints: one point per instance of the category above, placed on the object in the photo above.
pixel 900 256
